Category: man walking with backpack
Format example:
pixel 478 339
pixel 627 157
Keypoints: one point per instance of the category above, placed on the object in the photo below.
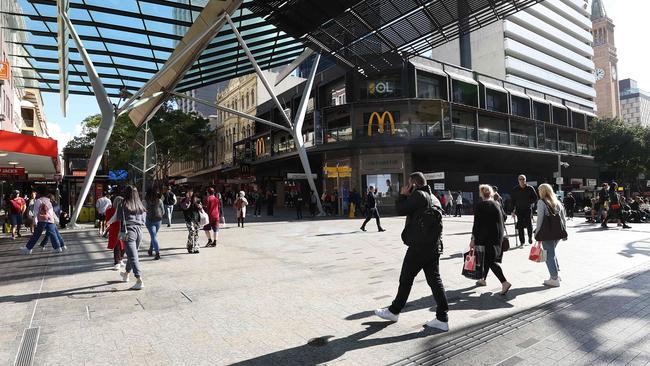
pixel 169 199
pixel 422 234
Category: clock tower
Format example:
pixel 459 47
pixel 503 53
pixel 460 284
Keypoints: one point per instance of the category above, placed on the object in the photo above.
pixel 607 92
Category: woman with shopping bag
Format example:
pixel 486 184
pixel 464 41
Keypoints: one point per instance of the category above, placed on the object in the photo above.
pixel 550 229
pixel 487 234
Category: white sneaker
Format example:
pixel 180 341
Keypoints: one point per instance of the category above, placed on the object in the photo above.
pixel 64 248
pixel 552 283
pixel 125 276
pixel 42 249
pixel 25 250
pixel 386 314
pixel 139 285
pixel 437 324
pixel 117 267
pixel 58 250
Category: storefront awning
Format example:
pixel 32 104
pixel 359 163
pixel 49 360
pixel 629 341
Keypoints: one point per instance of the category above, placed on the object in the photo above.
pixel 538 99
pixel 461 78
pixel 557 105
pixel 517 93
pixel 428 66
pixel 38 156
pixel 493 86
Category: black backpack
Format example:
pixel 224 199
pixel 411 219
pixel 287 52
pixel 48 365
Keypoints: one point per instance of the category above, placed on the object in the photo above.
pixel 425 227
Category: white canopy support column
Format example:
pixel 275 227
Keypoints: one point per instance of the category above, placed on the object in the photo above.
pixel 105 127
pixel 296 133
pixel 296 130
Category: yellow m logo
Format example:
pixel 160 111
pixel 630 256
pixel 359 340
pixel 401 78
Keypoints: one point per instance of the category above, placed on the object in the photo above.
pixel 380 121
pixel 260 146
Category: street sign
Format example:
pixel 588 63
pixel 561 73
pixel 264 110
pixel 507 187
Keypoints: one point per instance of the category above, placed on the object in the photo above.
pixel 435 176
pixel 12 171
pixel 559 180
pixel 300 176
pixel 591 182
pixel 439 186
pixel 471 178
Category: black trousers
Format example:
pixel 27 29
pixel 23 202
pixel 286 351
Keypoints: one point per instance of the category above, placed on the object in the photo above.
pixel 491 264
pixel 569 212
pixel 299 211
pixel 258 208
pixel 415 260
pixel 459 210
pixel 370 213
pixel 524 221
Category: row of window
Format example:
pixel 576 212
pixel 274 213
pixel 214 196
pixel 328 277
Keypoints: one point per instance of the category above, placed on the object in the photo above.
pixel 243 103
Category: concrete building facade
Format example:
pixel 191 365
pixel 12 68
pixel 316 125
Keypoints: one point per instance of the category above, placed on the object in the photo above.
pixel 243 94
pixel 635 103
pixel 607 88
pixel 547 47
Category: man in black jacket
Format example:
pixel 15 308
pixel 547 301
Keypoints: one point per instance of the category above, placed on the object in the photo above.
pixel 413 201
pixel 523 196
pixel 371 209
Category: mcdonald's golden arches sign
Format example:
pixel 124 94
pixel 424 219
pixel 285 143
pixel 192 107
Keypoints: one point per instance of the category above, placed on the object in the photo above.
pixel 260 146
pixel 381 120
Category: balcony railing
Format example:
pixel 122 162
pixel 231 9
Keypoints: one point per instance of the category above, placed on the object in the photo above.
pixel 284 147
pixel 551 145
pixel 567 146
pixel 523 140
pixel 493 136
pixel 339 134
pixel 463 132
pixel 584 149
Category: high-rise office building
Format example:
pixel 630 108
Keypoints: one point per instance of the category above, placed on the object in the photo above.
pixel 607 89
pixel 635 103
pixel 546 47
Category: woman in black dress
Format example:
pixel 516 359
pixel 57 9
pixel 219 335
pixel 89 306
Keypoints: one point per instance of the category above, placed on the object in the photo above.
pixel 488 232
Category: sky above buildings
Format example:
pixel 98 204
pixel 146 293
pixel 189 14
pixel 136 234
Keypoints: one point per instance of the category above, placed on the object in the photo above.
pixel 629 16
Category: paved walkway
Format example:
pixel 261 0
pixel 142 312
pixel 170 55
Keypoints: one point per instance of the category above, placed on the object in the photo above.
pixel 302 293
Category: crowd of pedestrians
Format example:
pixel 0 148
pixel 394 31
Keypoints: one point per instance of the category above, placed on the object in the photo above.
pixel 423 235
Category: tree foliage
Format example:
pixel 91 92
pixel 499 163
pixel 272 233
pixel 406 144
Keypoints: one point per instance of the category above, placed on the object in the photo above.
pixel 178 137
pixel 623 148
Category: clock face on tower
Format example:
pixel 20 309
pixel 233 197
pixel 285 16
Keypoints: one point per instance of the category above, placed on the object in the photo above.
pixel 600 73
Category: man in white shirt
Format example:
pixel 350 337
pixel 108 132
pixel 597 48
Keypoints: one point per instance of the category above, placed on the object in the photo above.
pixel 102 204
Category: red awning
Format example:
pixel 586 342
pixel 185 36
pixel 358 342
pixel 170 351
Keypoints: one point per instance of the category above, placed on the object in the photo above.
pixel 38 156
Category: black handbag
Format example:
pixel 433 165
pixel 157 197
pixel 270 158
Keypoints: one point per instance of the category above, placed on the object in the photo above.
pixel 552 227
pixel 505 242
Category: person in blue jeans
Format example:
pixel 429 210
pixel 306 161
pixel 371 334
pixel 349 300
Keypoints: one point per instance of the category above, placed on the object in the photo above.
pixel 155 211
pixel 44 216
pixel 548 204
pixel 57 213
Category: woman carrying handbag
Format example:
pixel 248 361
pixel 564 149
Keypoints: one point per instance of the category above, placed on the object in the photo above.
pixel 487 232
pixel 550 229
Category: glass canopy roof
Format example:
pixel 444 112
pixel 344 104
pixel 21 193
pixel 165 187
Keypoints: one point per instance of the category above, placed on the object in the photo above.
pixel 130 40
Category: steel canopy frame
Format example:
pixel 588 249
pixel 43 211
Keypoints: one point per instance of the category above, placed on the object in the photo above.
pixel 195 45
pixel 296 128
